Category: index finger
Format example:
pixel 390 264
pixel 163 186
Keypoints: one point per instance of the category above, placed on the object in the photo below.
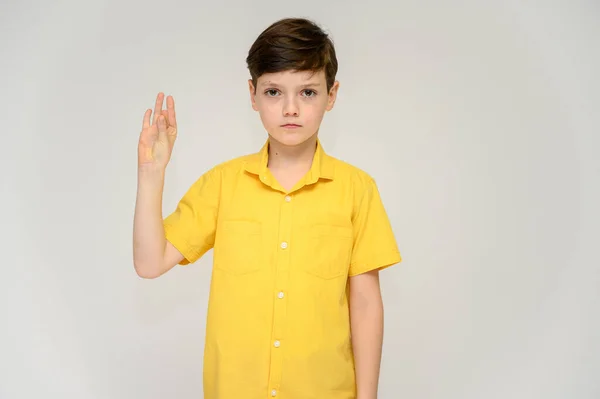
pixel 171 111
pixel 158 106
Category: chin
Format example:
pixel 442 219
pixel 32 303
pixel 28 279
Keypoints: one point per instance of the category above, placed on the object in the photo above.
pixel 291 139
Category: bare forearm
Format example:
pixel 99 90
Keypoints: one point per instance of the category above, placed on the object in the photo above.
pixel 148 231
pixel 366 310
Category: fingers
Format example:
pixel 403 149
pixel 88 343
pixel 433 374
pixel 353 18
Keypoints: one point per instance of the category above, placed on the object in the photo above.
pixel 158 106
pixel 168 114
pixel 146 120
pixel 171 111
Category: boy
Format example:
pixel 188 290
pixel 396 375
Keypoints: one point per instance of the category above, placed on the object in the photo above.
pixel 295 309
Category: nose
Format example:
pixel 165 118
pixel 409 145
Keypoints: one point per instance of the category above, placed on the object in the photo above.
pixel 290 108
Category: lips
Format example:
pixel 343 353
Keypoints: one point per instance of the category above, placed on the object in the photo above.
pixel 291 125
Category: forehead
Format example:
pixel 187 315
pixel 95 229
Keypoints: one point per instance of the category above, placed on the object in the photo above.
pixel 292 78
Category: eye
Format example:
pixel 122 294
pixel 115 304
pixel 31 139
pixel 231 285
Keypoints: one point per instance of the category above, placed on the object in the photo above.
pixel 309 93
pixel 271 92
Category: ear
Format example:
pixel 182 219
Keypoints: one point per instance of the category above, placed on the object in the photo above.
pixel 332 96
pixel 252 94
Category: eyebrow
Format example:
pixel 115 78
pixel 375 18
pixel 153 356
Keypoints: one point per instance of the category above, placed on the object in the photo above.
pixel 269 83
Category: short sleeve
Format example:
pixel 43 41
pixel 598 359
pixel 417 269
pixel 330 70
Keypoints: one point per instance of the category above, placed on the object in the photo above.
pixel 375 246
pixel 191 226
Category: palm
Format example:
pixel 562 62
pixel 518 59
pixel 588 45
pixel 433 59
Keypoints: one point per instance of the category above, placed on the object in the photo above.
pixel 158 136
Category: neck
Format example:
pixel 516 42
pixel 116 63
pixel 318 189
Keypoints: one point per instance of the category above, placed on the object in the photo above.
pixel 298 156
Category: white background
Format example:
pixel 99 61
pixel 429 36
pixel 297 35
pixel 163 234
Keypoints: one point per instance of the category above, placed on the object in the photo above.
pixel 479 122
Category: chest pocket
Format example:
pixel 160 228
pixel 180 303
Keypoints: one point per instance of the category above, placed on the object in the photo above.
pixel 330 251
pixel 238 247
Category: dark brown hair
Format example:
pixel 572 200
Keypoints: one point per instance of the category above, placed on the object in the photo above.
pixel 293 44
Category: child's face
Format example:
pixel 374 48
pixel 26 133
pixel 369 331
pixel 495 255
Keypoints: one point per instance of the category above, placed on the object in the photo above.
pixel 292 104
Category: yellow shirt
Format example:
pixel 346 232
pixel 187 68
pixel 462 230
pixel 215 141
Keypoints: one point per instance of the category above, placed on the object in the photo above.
pixel 278 318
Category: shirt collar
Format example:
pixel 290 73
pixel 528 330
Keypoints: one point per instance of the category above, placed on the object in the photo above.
pixel 322 166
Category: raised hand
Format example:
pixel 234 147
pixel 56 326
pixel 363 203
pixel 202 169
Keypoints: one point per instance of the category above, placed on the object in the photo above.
pixel 158 134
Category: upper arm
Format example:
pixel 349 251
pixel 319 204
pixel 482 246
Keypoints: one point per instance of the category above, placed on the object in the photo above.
pixel 375 245
pixel 172 257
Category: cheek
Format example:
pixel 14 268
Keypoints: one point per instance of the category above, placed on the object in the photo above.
pixel 269 118
pixel 269 113
pixel 314 113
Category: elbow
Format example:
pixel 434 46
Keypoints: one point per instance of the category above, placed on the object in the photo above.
pixel 147 276
pixel 145 271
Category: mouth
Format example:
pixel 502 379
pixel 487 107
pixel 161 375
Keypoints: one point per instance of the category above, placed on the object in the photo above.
pixel 291 126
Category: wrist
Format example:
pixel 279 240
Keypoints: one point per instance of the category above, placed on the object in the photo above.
pixel 151 169
pixel 149 174
pixel 151 181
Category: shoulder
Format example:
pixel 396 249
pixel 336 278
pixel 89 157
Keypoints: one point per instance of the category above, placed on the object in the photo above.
pixel 217 175
pixel 233 165
pixel 359 179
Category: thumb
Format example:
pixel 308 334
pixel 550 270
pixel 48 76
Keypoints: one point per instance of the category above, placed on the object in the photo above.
pixel 165 113
pixel 162 129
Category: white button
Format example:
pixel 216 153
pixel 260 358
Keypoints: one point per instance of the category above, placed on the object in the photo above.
pixel 274 392
pixel 277 344
pixel 280 295
pixel 288 198
pixel 284 245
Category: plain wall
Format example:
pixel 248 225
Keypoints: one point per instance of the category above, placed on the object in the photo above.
pixel 478 120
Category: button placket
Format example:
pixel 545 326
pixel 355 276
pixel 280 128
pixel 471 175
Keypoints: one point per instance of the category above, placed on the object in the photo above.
pixel 282 268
